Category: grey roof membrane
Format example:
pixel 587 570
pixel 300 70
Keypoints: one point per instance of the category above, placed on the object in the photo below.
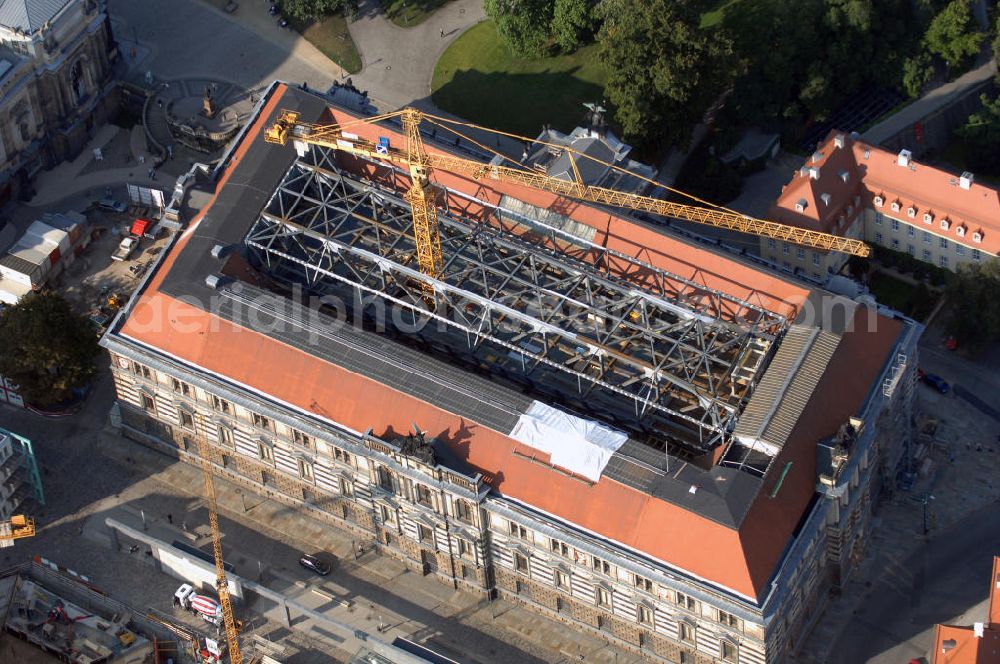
pixel 721 494
pixel 29 15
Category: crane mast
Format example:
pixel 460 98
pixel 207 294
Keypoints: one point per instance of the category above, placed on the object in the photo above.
pixel 422 194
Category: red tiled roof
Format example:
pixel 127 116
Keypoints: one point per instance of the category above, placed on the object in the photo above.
pixel 876 172
pixel 960 645
pixel 742 560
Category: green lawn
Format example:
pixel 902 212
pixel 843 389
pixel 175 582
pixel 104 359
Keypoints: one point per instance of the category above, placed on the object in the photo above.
pixel 712 17
pixel 478 79
pixel 407 13
pixel 900 295
pixel 330 36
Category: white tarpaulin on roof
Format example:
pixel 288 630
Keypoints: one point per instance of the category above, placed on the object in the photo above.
pixel 578 445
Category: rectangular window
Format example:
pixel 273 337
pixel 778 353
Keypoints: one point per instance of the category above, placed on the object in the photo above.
pixel 977 255
pixel 927 237
pixel 689 603
pixel 895 243
pixel 346 487
pixel 141 370
pixel 602 596
pixel 927 254
pixel 645 615
pixel 559 547
pixel 221 405
pixel 464 548
pixel 878 218
pixel 602 566
pixel 959 249
pixel 147 402
pixel 642 583
pixel 389 516
pixel 686 632
pixel 895 224
pixel 301 439
pixel 729 653
pixel 943 261
pixel 785 248
pixel 305 470
pixel 771 243
pixel 181 387
pixel 186 419
pixel 385 478
pixel 943 242
pixel 424 496
pixel 342 456
pixel 729 619
pixel 561 579
pixel 911 231
pixel 800 253
pixel 911 250
pixel 878 238
pixel 425 533
pixel 225 436
pixel 463 510
pixel 265 452
pixel 816 258
pixel 520 563
pixel 260 421
pixel 517 530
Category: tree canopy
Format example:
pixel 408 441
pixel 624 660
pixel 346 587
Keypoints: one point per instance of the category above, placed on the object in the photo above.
pixel 524 25
pixel 310 10
pixel 975 308
pixel 954 34
pixel 572 23
pixel 663 70
pixel 46 348
pixel 981 136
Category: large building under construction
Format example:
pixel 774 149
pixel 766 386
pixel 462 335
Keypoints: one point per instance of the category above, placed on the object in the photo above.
pixel 618 429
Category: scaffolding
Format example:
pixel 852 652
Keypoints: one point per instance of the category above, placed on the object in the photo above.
pixel 599 332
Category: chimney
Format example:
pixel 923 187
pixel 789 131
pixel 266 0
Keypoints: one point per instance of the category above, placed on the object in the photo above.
pixel 977 630
pixel 838 140
pixel 965 181
pixel 905 157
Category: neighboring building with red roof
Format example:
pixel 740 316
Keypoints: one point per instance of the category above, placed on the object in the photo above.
pixel 976 644
pixel 850 188
pixel 617 429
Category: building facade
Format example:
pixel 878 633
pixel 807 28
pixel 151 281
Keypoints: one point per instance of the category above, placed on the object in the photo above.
pixel 889 200
pixel 56 72
pixel 19 477
pixel 724 557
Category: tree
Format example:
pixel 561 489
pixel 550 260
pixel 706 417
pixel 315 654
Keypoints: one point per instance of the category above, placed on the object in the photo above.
pixel 304 11
pixel 46 349
pixel 917 72
pixel 954 34
pixel 572 23
pixel 975 309
pixel 981 136
pixel 523 25
pixel 663 70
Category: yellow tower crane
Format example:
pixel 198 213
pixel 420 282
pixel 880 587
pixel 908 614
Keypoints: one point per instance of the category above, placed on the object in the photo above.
pixel 221 583
pixel 422 195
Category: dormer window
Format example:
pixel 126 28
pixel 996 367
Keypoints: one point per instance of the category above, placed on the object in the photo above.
pixel 945 224
pixel 800 205
pixel 844 175
pixel 977 237
pixel 911 211
pixel 928 218
pixel 879 201
pixel 960 230
pixel 826 198
pixel 895 206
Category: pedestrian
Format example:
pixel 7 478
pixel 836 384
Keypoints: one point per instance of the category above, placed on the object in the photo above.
pixel 170 518
pixel 442 33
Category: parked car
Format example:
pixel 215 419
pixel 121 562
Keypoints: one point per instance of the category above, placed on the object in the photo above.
pixel 111 205
pixel 125 248
pixel 314 564
pixel 934 381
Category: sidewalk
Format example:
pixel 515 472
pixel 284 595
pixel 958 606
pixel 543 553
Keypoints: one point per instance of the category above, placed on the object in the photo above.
pixel 262 535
